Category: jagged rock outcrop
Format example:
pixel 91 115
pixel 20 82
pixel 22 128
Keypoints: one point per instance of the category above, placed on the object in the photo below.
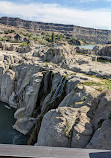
pixel 20 87
pixel 83 51
pixel 7 46
pixel 59 54
pixel 55 104
pixel 69 123
pixel 64 127
pixel 7 83
pixel 85 124
pixel 101 108
pixel 101 138
pixel 105 51
pixel 12 47
pixel 22 49
pixel 96 49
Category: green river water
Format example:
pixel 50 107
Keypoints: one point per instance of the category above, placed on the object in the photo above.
pixel 86 46
pixel 7 134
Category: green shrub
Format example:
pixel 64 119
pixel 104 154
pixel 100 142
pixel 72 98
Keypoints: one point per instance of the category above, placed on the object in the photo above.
pixel 24 44
pixel 53 37
pixel 42 41
pixel 102 85
pixel 3 39
pixel 12 31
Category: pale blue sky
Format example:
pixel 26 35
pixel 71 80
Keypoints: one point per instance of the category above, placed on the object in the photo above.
pixel 88 13
pixel 80 4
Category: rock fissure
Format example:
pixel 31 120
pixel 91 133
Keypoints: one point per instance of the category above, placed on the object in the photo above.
pixel 56 105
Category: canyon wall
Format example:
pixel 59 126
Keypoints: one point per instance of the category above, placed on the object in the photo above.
pixel 87 34
pixel 56 104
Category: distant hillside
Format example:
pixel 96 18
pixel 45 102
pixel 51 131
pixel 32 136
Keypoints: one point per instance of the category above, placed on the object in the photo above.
pixel 87 34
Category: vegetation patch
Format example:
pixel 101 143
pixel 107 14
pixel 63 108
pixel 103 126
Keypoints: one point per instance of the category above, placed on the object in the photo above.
pixel 91 83
pixel 80 53
pixel 67 76
pixel 24 44
pixel 103 61
pixel 102 85
pixel 84 98
pixel 67 129
pixel 82 101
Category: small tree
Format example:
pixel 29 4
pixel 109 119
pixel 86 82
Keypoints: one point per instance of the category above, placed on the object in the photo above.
pixel 53 37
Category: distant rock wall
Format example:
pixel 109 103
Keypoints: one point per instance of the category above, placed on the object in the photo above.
pixel 89 34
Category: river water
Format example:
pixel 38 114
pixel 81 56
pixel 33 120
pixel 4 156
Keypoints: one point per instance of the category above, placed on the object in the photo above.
pixel 7 134
pixel 86 46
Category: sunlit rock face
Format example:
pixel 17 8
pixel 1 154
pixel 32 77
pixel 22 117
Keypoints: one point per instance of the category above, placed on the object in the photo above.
pixel 105 51
pixel 20 89
pixel 83 124
pixel 67 127
pixel 56 99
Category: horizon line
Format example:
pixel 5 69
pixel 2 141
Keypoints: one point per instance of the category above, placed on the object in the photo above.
pixel 53 23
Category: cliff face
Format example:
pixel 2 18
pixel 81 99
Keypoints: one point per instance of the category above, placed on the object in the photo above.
pixel 92 35
pixel 53 101
pixel 89 34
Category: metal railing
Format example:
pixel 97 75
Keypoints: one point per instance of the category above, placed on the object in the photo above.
pixel 50 152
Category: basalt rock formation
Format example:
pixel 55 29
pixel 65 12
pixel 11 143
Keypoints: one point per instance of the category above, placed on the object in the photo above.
pixel 105 51
pixel 57 100
pixel 89 34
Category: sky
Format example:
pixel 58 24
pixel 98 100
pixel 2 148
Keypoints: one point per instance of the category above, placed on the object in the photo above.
pixel 87 13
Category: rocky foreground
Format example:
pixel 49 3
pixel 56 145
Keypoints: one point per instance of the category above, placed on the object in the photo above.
pixel 63 98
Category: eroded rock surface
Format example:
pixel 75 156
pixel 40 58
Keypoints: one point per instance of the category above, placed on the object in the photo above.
pixel 57 100
pixel 65 127
pixel 105 51
pixel 101 138
pixel 83 124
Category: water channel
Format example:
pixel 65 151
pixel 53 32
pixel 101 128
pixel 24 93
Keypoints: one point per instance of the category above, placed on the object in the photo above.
pixel 7 134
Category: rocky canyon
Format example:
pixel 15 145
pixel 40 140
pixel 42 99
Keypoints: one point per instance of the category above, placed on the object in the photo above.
pixel 62 98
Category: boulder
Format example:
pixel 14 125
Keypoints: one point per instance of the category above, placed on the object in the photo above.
pixel 59 53
pixel 23 49
pixel 65 127
pixel 101 138
pixel 24 125
pixel 7 85
pixel 83 51
pixel 101 109
pixel 96 49
pixel 105 51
